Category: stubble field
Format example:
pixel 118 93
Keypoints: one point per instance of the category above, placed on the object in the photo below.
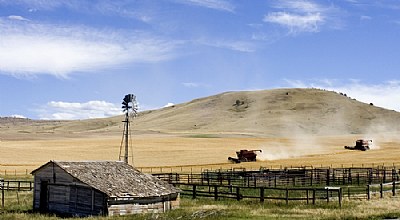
pixel 200 151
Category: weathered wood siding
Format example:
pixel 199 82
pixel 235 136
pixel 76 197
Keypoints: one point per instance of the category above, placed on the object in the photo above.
pixel 57 191
pixel 67 195
pixel 132 208
pixel 51 174
pixel 86 201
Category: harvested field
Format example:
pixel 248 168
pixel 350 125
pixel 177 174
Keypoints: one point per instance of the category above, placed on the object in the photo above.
pixel 186 150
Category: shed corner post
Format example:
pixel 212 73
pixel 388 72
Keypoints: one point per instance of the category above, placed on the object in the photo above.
pixel 2 193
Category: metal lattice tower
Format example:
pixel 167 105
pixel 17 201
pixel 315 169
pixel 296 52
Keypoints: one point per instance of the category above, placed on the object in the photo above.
pixel 129 107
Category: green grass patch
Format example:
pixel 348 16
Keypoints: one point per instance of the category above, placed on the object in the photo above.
pixel 18 206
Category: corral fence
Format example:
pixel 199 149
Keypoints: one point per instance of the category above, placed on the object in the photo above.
pixel 354 182
pixel 383 188
pixel 288 177
pixel 309 195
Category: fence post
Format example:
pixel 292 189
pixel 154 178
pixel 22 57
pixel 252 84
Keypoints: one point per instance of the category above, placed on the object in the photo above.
pixel 215 192
pixel 262 194
pixel 313 197
pixel 2 193
pixel 394 188
pixel 238 197
pixel 340 197
pixel 381 190
pixel 327 195
pixel 312 176
pixel 384 175
pixel 328 175
pixel 307 195
pixel 368 192
pixel 194 192
pixel 287 196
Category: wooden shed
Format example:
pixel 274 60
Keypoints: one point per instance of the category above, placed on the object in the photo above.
pixel 99 188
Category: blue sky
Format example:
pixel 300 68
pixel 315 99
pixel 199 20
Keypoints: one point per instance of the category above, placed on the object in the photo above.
pixel 77 59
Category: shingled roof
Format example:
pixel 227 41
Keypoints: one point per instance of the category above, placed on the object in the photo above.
pixel 116 179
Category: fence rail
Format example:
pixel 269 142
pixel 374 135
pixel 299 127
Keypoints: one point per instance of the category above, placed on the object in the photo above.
pixel 18 185
pixel 263 193
pixel 297 177
pixel 382 189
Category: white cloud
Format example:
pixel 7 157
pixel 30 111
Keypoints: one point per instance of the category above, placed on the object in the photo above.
pixel 169 104
pixel 31 49
pixel 17 116
pixel 73 110
pixel 302 16
pixel 301 6
pixel 241 46
pixel 17 17
pixel 191 85
pixel 194 85
pixel 296 23
pixel 221 5
pixel 365 18
pixel 386 95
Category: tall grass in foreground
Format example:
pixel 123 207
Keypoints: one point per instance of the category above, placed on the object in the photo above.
pixel 19 206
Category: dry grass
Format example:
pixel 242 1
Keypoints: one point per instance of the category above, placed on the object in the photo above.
pixel 183 151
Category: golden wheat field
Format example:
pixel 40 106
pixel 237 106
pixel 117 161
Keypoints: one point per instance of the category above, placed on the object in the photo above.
pixel 200 151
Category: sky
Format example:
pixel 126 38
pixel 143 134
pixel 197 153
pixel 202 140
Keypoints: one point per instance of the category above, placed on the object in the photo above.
pixel 77 59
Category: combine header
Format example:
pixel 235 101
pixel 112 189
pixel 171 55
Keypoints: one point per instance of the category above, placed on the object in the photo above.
pixel 245 156
pixel 361 144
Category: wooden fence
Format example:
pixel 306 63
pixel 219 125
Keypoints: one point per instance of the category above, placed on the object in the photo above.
pixel 19 185
pixel 382 189
pixel 298 177
pixel 309 195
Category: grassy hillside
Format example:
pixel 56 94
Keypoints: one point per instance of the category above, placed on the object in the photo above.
pixel 279 112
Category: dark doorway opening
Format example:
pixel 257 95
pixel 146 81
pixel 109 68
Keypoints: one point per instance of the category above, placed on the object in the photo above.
pixel 43 206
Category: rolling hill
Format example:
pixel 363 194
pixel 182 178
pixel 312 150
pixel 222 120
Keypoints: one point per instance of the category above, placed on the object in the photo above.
pixel 278 112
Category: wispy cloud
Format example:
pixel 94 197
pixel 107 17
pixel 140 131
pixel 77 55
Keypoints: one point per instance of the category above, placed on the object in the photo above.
pixel 31 49
pixel 299 16
pixel 194 85
pixel 59 110
pixel 385 94
pixel 17 17
pixel 240 46
pixel 365 18
pixel 221 5
pixel 296 23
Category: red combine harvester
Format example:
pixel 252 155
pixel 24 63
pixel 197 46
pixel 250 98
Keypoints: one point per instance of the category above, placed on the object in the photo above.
pixel 245 156
pixel 361 144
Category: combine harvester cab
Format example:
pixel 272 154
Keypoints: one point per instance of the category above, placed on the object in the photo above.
pixel 245 156
pixel 361 144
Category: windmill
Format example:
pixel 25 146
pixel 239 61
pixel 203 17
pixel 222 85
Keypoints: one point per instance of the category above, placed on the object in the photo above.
pixel 129 107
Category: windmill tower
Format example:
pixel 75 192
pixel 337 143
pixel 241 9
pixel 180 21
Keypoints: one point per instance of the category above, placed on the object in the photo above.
pixel 129 107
